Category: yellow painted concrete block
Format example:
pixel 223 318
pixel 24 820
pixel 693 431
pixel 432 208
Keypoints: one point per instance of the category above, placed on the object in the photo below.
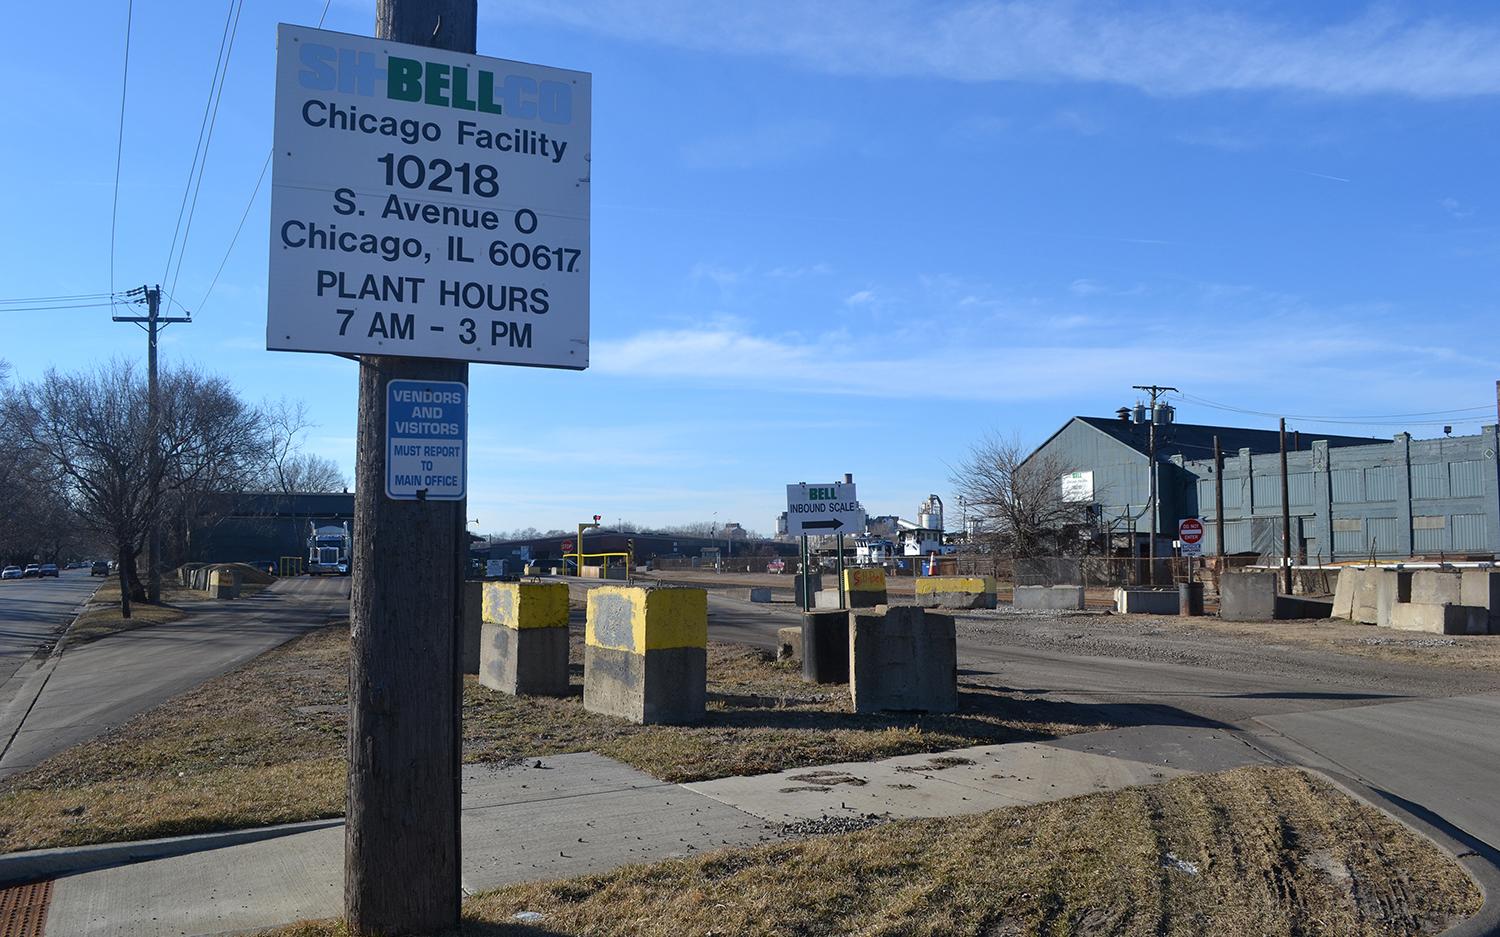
pixel 635 619
pixel 520 605
pixel 864 580
pixel 969 585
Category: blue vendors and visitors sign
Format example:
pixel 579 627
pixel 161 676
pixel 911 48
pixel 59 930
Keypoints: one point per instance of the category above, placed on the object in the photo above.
pixel 426 428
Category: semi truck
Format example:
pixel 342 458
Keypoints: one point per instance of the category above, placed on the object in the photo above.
pixel 328 549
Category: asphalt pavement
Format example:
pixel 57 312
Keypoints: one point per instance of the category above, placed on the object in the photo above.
pixel 33 612
pixel 1427 737
pixel 94 686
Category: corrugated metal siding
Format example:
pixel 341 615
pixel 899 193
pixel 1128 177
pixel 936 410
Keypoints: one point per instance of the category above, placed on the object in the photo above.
pixel 1380 483
pixel 1385 533
pixel 1429 480
pixel 1467 480
pixel 1349 542
pixel 1267 491
pixel 1429 540
pixel 1468 529
pixel 1236 536
pixel 1300 487
pixel 1348 485
pixel 1232 489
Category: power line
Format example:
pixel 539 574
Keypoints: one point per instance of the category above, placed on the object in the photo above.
pixel 251 202
pixel 1366 419
pixel 238 228
pixel 114 212
pixel 213 119
pixel 57 307
pixel 49 299
pixel 208 101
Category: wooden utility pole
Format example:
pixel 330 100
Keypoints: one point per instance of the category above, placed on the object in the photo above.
pixel 1152 481
pixel 1286 519
pixel 1219 503
pixel 401 841
pixel 153 322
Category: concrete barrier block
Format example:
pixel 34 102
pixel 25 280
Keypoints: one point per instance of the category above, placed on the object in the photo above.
pixel 1480 588
pixel 814 582
pixel 865 588
pixel 789 643
pixel 473 624
pixel 599 572
pixel 761 594
pixel 1289 607
pixel 1245 596
pixel 825 647
pixel 905 659
pixel 1146 601
pixel 1392 588
pixel 956 592
pixel 826 600
pixel 523 638
pixel 646 657
pixel 1440 619
pixel 1437 587
pixel 1343 594
pixel 223 584
pixel 1048 598
pixel 1366 609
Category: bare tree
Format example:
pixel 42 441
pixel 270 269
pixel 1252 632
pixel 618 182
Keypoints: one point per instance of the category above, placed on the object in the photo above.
pixel 1017 499
pixel 93 428
pixel 291 470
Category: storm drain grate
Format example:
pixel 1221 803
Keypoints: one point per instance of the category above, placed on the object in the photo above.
pixel 23 909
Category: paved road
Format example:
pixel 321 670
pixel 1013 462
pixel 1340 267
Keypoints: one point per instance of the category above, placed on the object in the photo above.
pixel 32 613
pixel 98 685
pixel 1428 736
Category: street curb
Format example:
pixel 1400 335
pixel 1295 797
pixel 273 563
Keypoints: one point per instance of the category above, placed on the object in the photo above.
pixel 19 868
pixel 1477 860
pixel 14 716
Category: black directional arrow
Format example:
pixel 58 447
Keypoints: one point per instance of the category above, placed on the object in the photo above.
pixel 834 524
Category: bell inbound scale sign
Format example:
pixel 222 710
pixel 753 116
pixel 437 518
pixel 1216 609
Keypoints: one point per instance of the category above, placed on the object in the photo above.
pixel 819 510
pixel 1190 536
pixel 426 432
pixel 428 204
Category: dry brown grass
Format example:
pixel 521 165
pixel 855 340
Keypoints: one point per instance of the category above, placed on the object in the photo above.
pixel 102 615
pixel 1273 852
pixel 266 743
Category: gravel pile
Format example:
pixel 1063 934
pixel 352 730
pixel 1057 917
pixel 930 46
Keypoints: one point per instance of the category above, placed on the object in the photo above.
pixel 825 825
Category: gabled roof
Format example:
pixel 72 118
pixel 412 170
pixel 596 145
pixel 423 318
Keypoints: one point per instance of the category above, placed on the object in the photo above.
pixel 1196 441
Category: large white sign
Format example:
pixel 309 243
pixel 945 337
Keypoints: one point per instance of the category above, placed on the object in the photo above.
pixel 1190 536
pixel 1078 486
pixel 428 204
pixel 818 510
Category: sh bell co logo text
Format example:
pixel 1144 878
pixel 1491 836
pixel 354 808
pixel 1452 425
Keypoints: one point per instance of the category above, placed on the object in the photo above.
pixel 350 71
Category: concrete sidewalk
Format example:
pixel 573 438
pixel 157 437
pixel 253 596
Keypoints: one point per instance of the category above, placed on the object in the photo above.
pixel 92 687
pixel 573 814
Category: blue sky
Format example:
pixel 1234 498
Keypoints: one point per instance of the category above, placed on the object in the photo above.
pixel 848 237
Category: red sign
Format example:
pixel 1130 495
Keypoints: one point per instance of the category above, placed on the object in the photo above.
pixel 567 545
pixel 1190 530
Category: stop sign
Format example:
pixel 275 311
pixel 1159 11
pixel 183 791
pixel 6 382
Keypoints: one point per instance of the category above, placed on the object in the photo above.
pixel 1190 530
pixel 567 545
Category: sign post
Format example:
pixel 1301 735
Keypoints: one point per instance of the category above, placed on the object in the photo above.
pixel 429 208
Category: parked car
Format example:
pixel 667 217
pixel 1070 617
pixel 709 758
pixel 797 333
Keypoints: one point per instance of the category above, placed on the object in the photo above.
pixel 10 572
pixel 48 569
pixel 99 568
pixel 32 572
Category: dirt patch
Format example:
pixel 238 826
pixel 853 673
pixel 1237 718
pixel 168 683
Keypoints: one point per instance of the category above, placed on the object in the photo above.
pixel 1241 852
pixel 266 743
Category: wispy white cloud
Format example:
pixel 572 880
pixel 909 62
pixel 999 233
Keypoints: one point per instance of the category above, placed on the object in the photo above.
pixel 860 298
pixel 1456 209
pixel 1323 175
pixel 1162 48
